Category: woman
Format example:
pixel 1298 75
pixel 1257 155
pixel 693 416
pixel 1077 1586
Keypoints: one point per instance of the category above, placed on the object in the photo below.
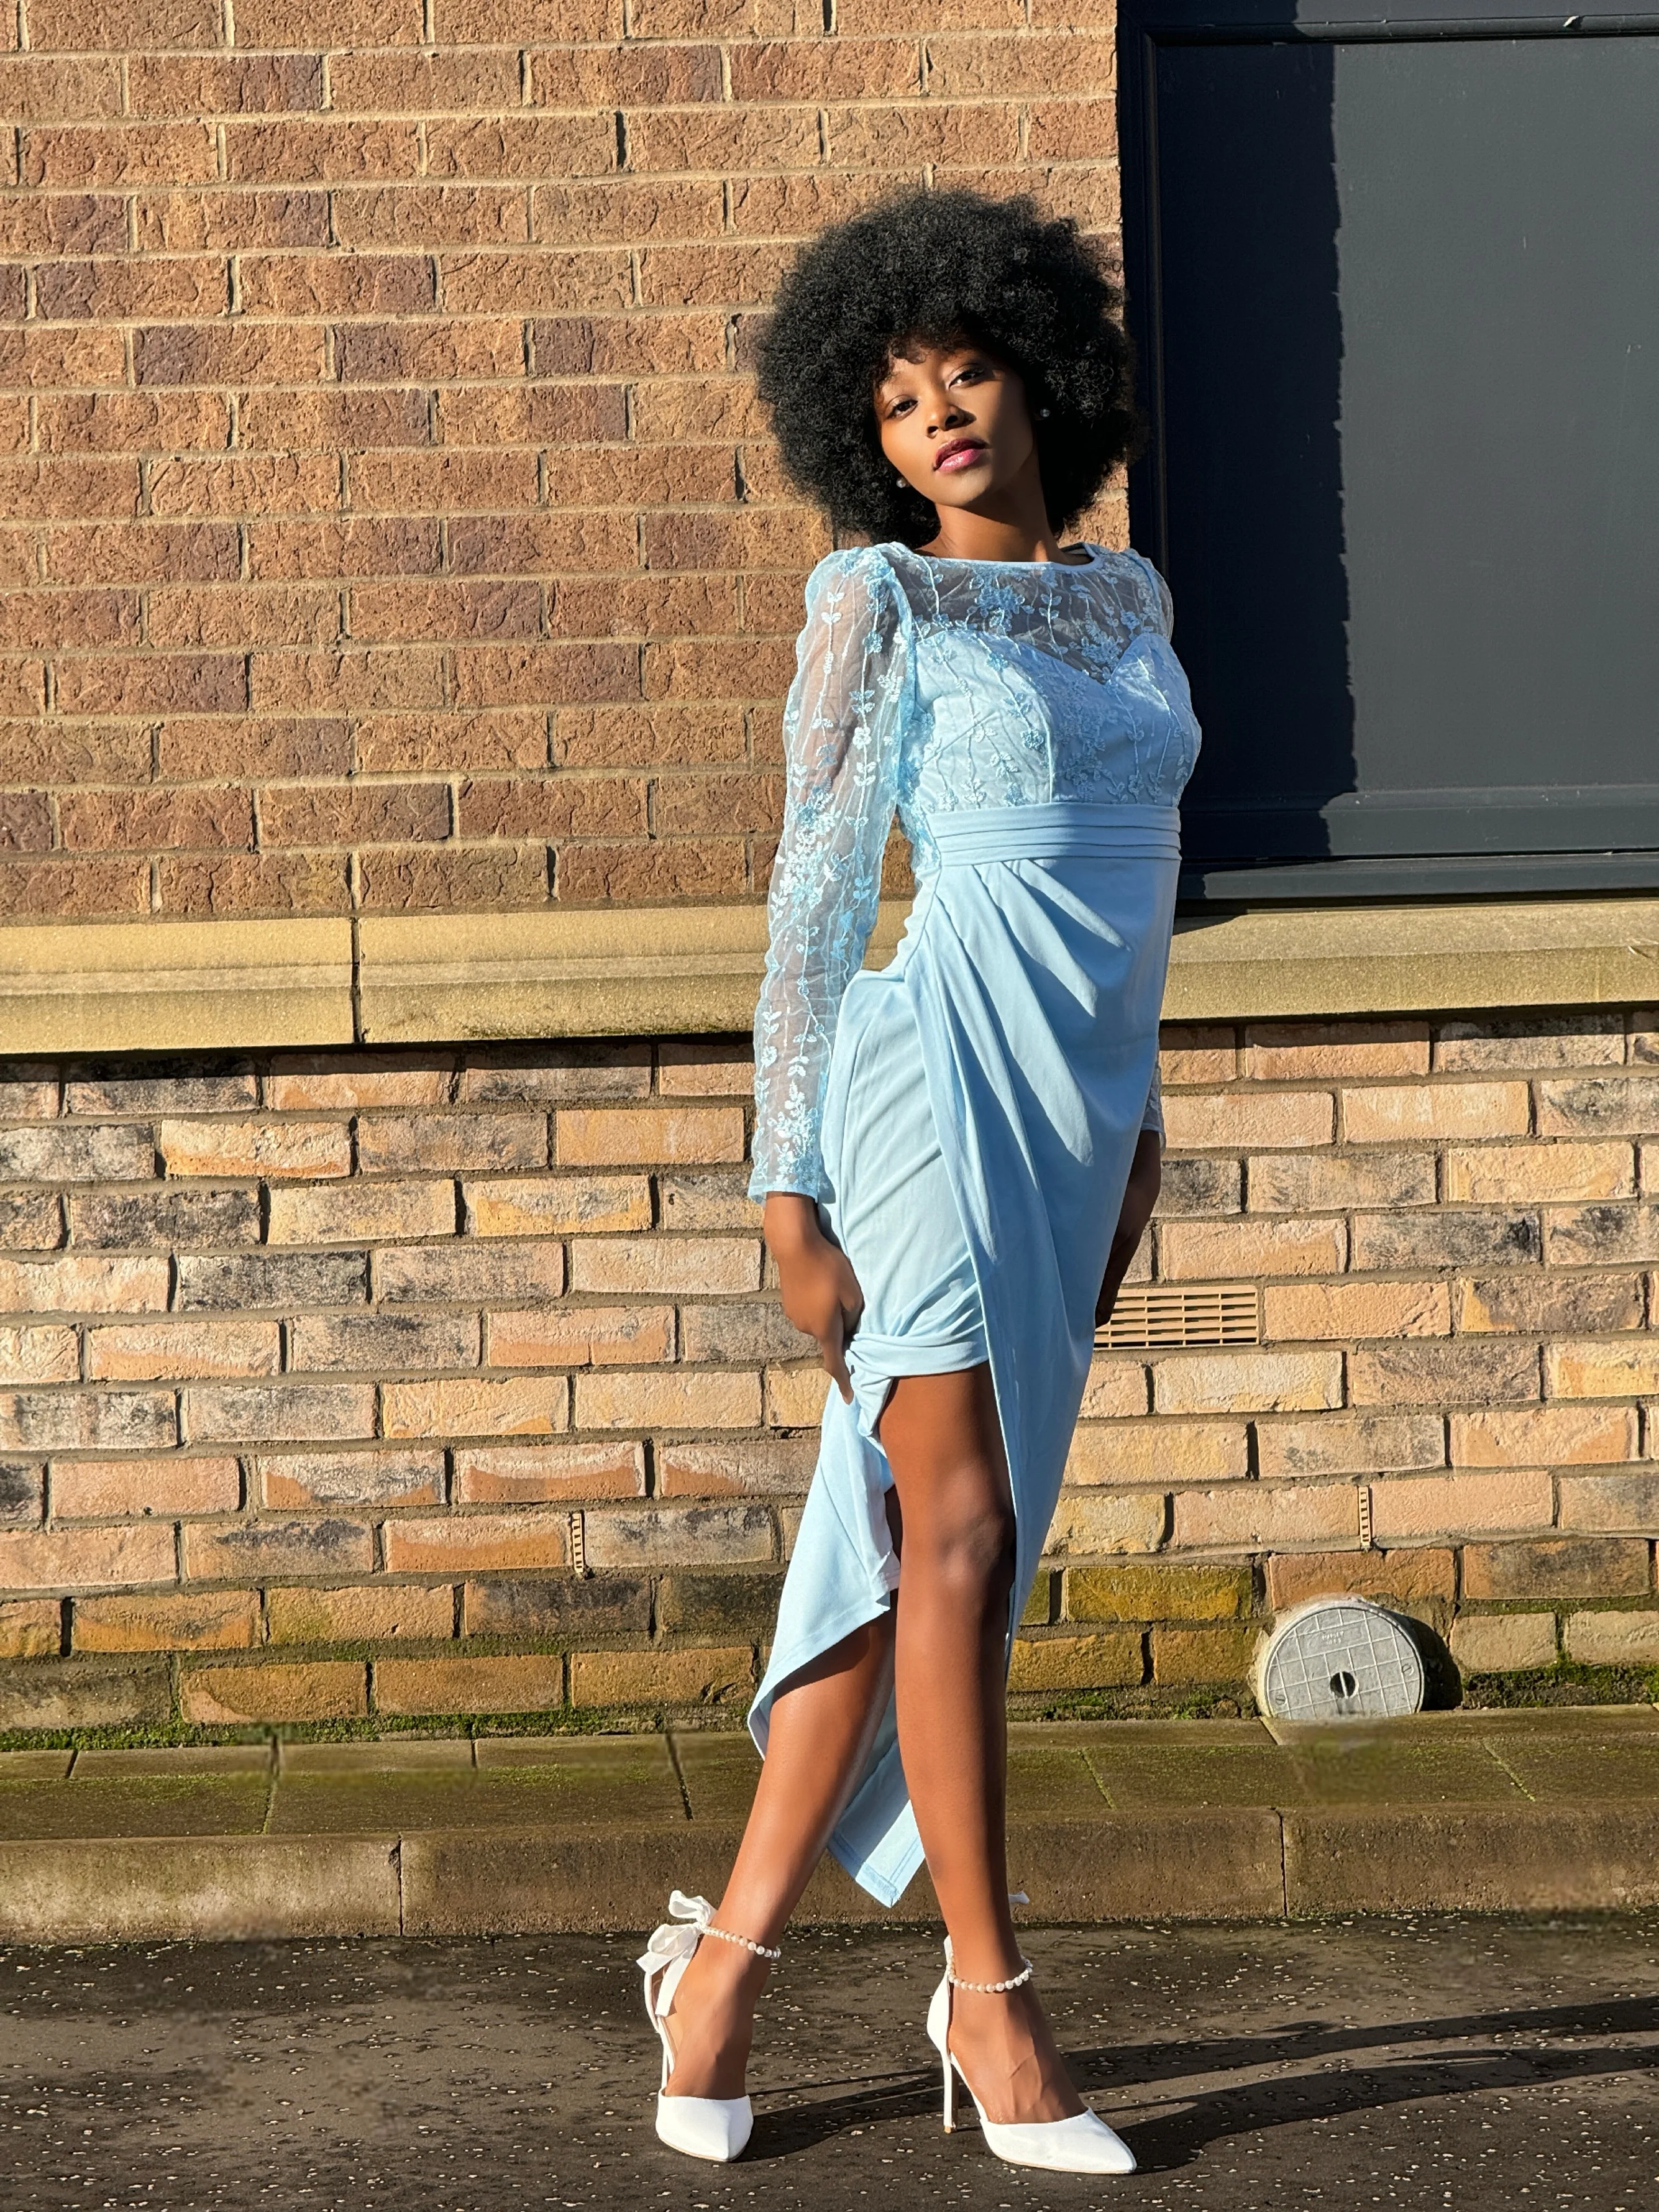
pixel 958 1153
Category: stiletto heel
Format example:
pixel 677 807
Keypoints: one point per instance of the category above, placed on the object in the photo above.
pixel 715 2128
pixel 1081 2144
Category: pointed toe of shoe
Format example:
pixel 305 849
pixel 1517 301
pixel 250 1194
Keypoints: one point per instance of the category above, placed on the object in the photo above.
pixel 715 2127
pixel 1082 2144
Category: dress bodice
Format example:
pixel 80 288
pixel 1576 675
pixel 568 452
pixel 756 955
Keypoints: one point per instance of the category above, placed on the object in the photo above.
pixel 1035 681
pixel 925 687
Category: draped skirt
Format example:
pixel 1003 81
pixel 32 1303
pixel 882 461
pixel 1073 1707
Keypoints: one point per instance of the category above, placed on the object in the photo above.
pixel 986 1093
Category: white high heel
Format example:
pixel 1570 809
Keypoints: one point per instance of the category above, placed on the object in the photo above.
pixel 702 2127
pixel 1080 2144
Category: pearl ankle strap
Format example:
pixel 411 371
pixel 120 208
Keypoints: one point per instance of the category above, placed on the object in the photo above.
pixel 986 1988
pixel 990 1989
pixel 742 1941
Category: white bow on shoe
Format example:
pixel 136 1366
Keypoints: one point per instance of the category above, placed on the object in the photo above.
pixel 702 2127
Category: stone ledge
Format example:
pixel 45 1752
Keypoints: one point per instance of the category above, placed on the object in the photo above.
pixel 1556 1809
pixel 246 986
pixel 175 985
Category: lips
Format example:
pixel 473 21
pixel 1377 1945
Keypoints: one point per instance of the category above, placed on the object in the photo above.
pixel 958 453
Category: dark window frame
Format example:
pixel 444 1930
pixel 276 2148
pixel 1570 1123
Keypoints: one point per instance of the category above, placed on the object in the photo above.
pixel 1474 856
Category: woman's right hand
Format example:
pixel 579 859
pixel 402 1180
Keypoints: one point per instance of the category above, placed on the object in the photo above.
pixel 821 1294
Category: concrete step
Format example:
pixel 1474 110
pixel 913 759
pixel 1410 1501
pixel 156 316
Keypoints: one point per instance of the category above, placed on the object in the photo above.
pixel 1547 1810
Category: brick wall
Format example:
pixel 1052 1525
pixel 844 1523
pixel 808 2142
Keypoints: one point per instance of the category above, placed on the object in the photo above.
pixel 388 522
pixel 323 1379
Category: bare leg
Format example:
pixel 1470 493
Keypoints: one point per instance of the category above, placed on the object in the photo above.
pixel 944 1443
pixel 822 1723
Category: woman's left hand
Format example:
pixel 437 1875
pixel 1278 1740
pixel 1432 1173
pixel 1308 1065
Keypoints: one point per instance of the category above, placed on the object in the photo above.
pixel 1139 1197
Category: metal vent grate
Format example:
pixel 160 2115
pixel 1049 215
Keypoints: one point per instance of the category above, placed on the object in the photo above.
pixel 1223 1313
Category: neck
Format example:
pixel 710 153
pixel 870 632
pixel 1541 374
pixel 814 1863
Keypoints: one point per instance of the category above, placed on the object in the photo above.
pixel 1014 527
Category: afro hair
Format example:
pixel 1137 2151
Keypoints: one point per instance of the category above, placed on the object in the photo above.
pixel 943 268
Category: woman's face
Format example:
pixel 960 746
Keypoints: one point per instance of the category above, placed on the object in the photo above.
pixel 954 423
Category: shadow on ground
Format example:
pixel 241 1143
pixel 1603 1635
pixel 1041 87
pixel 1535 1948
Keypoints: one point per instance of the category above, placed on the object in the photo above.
pixel 1412 2063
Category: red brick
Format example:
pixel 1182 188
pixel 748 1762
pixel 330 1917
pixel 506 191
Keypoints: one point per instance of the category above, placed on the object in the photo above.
pixel 322 1690
pixel 73 889
pixel 166 1483
pixel 31 1628
pixel 368 1613
pixel 1408 1507
pixel 225 1620
pixel 417 881
pixel 528 1474
pixel 87 1558
pixel 132 421
pixel 53 487
pixel 169 222
pixel 572 807
pixel 103 821
pixel 183 1349
pixel 580 1336
pixel 474 1543
pixel 74 157
pixel 1411 1578
pixel 529 1683
pixel 82 1284
pixel 264 883
pixel 302 150
pixel 199 84
pixel 106 25
pixel 154 683
pixel 508 738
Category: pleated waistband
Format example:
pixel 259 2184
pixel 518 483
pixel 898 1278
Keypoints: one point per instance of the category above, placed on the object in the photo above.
pixel 1054 829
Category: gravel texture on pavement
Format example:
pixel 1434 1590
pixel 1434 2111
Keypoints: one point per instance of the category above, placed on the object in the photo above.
pixel 1460 2063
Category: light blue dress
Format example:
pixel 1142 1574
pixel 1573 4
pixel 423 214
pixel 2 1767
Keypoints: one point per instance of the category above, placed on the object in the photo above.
pixel 966 1116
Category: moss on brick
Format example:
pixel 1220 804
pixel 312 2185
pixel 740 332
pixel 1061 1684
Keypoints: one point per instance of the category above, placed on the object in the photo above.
pixel 719 1605
pixel 1158 1593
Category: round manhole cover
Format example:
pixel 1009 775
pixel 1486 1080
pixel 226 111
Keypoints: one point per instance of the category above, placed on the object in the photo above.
pixel 1340 1658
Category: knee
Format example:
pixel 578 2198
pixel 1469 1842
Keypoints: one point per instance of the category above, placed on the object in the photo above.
pixel 968 1544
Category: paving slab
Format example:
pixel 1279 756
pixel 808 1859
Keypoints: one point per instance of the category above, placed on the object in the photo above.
pixel 626 1790
pixel 718 1773
pixel 1552 1769
pixel 1109 1821
pixel 1388 1771
pixel 1133 1776
pixel 35 1766
pixel 135 1805
pixel 398 1754
pixel 189 1759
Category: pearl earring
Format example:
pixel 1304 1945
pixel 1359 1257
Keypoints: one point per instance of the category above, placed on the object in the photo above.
pixel 899 480
pixel 1043 413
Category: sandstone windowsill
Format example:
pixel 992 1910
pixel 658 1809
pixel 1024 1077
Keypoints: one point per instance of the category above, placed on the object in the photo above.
pixel 219 986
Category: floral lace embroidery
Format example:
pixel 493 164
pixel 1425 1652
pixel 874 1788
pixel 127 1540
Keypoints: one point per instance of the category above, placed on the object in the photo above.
pixel 927 687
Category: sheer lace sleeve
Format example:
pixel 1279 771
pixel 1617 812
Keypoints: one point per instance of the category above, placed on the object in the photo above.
pixel 843 723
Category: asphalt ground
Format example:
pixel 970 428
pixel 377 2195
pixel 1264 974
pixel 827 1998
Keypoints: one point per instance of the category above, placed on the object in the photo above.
pixel 1412 2063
